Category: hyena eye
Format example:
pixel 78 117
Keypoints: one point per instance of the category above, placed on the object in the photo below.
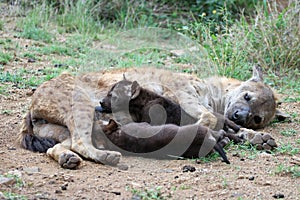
pixel 257 119
pixel 247 97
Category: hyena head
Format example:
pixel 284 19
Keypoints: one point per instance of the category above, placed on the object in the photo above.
pixel 252 104
pixel 118 97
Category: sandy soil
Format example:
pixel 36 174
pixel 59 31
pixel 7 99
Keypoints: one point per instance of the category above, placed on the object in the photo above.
pixel 248 177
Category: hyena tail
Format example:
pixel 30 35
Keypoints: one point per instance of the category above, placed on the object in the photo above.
pixel 30 141
pixel 218 148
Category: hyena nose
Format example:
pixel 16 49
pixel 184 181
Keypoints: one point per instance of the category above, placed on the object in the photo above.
pixel 240 115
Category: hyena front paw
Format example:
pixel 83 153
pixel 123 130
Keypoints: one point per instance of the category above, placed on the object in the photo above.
pixel 108 157
pixel 69 160
pixel 263 141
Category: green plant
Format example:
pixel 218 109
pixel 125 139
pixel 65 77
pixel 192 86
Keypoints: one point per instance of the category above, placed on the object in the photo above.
pixel 36 24
pixel 78 16
pixel 6 112
pixel 18 183
pixel 245 150
pixel 184 187
pixel 26 78
pixel 294 171
pixel 288 132
pixel 288 149
pixel 35 33
pixel 30 55
pixel 224 182
pixel 5 58
pixel 209 158
pixel 1 25
pixel 268 40
pixel 148 194
pixel 13 196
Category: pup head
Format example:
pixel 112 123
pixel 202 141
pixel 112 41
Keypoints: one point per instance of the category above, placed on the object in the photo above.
pixel 118 97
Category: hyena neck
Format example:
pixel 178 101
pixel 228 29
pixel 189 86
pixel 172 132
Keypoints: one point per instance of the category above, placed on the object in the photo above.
pixel 219 92
pixel 229 89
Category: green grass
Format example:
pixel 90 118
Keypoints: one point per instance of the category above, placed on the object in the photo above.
pixel 209 158
pixel 289 132
pixel 14 196
pixel 265 39
pixel 17 184
pixel 5 58
pixel 26 78
pixel 234 42
pixel 30 55
pixel 287 149
pixel 282 169
pixel 1 25
pixel 35 33
pixel 147 194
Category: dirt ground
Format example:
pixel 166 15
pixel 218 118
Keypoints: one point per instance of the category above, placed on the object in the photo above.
pixel 249 176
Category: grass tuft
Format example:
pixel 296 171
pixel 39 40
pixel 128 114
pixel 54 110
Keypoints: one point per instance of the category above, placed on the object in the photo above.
pixel 282 169
pixel 5 58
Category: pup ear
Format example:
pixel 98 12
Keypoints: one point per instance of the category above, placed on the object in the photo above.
pixel 135 90
pixel 112 125
pixel 257 74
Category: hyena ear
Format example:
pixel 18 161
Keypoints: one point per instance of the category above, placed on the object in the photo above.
pixel 124 77
pixel 135 90
pixel 257 74
pixel 281 116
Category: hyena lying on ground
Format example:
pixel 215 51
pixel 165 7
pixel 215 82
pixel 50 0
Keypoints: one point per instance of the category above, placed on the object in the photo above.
pixel 69 102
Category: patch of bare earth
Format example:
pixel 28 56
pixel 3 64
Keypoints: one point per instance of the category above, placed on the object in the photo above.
pixel 245 178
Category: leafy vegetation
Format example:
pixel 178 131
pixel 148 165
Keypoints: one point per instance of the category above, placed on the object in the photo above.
pixel 236 34
pixel 282 169
pixel 148 194
pixel 288 149
pixel 24 78
pixel 289 132
pixel 18 183
pixel 5 58
pixel 1 25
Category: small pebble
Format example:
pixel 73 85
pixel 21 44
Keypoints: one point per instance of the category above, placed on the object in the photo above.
pixel 197 161
pixel 58 191
pixel 251 178
pixel 123 167
pixel 116 193
pixel 31 60
pixel 188 168
pixel 64 187
pixel 278 196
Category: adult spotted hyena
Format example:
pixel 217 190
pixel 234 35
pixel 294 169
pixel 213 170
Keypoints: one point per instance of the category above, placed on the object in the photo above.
pixel 67 103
